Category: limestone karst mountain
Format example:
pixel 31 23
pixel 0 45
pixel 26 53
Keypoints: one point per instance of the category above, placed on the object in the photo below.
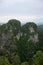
pixel 28 42
pixel 11 32
pixel 30 30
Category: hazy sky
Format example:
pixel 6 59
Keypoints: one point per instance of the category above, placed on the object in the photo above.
pixel 23 10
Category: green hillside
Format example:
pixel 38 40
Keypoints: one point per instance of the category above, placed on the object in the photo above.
pixel 21 45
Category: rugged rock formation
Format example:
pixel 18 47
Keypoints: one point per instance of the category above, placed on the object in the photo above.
pixel 9 34
pixel 12 31
pixel 30 30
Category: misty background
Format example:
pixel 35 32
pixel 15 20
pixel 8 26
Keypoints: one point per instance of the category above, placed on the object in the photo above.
pixel 23 10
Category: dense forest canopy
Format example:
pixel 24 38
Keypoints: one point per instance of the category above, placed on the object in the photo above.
pixel 21 45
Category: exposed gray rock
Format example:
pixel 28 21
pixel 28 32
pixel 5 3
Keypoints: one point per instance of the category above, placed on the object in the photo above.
pixel 33 38
pixel 31 29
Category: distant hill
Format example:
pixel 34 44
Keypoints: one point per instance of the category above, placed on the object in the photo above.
pixel 1 23
pixel 40 27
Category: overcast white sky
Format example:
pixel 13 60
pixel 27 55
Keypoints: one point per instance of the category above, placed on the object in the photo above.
pixel 23 10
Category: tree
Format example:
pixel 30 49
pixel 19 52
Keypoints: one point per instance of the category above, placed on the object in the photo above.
pixel 25 49
pixel 14 25
pixel 26 46
pixel 24 63
pixel 4 61
pixel 15 59
pixel 38 58
pixel 40 32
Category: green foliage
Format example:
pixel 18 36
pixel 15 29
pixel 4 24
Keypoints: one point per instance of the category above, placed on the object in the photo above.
pixel 24 63
pixel 40 32
pixel 38 58
pixel 20 52
pixel 4 61
pixel 25 28
pixel 14 25
pixel 26 49
pixel 15 59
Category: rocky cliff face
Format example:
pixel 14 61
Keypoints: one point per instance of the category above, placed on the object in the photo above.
pixel 12 31
pixel 29 30
pixel 8 32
